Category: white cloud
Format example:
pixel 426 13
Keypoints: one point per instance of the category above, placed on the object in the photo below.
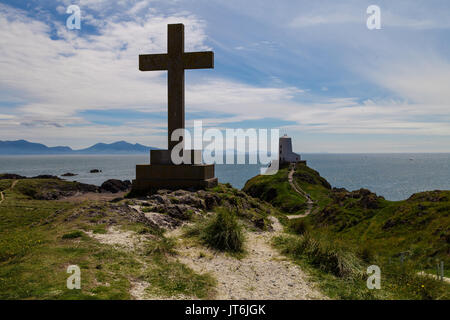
pixel 58 79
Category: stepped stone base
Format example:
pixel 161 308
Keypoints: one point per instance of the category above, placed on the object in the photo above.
pixel 169 176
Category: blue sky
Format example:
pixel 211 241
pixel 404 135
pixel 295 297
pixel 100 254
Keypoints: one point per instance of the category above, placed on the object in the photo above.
pixel 310 68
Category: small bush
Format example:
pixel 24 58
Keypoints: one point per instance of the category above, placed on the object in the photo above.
pixel 101 229
pixel 326 256
pixel 164 246
pixel 144 230
pixel 224 232
pixel 73 235
pixel 299 226
pixel 366 254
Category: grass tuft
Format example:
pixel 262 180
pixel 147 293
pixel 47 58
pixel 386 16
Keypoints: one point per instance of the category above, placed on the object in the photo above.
pixel 221 232
pixel 73 235
pixel 224 232
pixel 325 255
pixel 299 226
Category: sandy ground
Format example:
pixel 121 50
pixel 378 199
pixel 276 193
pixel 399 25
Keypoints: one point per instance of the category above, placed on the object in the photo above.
pixel 263 274
pixel 127 240
pixel 2 195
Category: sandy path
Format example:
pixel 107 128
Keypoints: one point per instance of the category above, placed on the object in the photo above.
pixel 2 195
pixel 263 274
pixel 296 187
pixel 422 273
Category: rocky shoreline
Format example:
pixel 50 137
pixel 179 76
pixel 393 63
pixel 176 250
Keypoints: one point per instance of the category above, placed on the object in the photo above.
pixel 55 188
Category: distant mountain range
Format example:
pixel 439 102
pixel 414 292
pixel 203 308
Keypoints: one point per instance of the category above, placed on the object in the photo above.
pixel 22 147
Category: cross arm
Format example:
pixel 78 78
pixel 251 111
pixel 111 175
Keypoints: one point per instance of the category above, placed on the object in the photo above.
pixel 198 60
pixel 153 62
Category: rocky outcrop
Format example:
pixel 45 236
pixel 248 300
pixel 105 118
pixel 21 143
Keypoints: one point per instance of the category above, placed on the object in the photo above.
pixel 13 176
pixel 53 191
pixel 45 176
pixel 429 196
pixel 110 214
pixel 169 209
pixel 114 186
pixel 68 174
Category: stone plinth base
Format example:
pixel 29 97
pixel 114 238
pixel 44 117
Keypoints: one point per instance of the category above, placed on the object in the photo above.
pixel 163 157
pixel 167 176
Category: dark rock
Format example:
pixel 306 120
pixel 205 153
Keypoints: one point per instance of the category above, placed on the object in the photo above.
pixel 163 220
pixel 95 171
pixel 339 190
pixel 211 201
pixel 369 202
pixel 429 196
pixel 54 191
pixel 161 199
pixel 68 174
pixel 390 224
pixel 193 201
pixel 114 185
pixel 45 176
pixel 11 176
pixel 182 212
pixel 259 223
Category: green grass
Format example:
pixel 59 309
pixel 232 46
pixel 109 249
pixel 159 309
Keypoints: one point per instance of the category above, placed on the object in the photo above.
pixel 418 227
pixel 415 227
pixel 276 190
pixel 39 239
pixel 313 184
pixel 222 232
pixel 5 184
pixel 73 235
pixel 299 226
pixel 340 271
pixel 325 255
pixel 168 277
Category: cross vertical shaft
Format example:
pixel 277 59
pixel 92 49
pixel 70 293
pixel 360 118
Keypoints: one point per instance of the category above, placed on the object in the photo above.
pixel 175 46
pixel 175 61
pixel 162 172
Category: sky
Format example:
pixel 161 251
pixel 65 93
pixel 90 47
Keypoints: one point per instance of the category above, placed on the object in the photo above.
pixel 312 69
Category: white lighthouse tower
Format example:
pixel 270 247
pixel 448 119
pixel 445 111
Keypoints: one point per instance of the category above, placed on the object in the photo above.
pixel 286 153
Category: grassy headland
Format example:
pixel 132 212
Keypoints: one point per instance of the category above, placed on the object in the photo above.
pixel 123 250
pixel 350 230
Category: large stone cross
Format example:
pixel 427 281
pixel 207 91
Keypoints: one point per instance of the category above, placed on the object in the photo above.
pixel 176 61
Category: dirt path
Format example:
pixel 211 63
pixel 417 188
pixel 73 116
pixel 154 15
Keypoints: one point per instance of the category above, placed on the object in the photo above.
pixel 2 195
pixel 296 187
pixel 422 273
pixel 263 274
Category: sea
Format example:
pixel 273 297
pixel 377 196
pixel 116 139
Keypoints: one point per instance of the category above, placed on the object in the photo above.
pixel 394 176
